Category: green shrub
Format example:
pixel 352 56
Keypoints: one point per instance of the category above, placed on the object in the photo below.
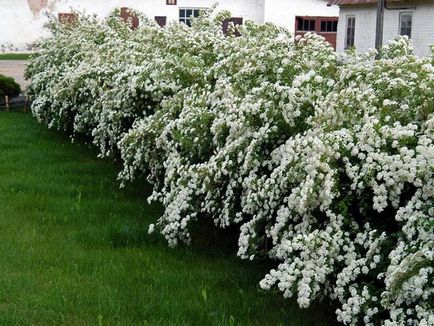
pixel 322 161
pixel 9 87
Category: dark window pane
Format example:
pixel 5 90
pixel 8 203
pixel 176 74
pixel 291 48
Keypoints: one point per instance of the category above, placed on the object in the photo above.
pixel 323 26
pixel 189 13
pixel 161 20
pixel 238 20
pixel 305 25
pixel 181 12
pixel 405 24
pixel 312 25
pixel 196 13
pixel 351 22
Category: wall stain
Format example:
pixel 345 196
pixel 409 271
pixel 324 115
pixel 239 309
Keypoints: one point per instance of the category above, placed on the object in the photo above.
pixel 37 5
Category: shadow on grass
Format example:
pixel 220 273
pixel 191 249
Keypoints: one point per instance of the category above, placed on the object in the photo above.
pixel 80 244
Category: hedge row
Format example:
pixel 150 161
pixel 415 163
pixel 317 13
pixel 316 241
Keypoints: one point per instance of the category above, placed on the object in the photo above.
pixel 324 162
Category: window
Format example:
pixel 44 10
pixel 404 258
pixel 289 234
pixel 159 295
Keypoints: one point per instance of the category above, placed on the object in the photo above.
pixel 161 20
pixel 351 32
pixel 171 2
pixel 236 21
pixel 305 25
pixel 329 26
pixel 185 14
pixel 405 21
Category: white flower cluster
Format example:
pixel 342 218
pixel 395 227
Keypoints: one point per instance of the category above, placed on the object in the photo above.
pixel 324 161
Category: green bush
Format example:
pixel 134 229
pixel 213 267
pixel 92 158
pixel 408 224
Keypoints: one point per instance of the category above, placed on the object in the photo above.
pixel 321 161
pixel 9 87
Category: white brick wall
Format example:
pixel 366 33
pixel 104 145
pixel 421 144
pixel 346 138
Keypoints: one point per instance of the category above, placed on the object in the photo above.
pixel 422 30
pixel 364 34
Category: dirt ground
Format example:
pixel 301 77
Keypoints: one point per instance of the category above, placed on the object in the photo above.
pixel 15 69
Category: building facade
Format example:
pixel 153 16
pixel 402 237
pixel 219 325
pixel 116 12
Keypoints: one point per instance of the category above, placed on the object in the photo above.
pixel 357 23
pixel 22 20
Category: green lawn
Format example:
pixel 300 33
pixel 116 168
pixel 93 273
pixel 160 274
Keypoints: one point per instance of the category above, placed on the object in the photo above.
pixel 75 251
pixel 14 56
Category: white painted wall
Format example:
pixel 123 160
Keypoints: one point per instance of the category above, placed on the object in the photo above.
pixel 18 25
pixel 283 12
pixel 422 30
pixel 248 9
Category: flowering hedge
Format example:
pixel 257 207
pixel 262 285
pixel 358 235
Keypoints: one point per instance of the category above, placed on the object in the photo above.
pixel 325 162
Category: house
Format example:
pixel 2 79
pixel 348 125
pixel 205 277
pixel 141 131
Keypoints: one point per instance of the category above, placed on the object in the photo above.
pixel 357 23
pixel 22 20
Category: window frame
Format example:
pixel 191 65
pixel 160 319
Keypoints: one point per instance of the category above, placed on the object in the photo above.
pixel 400 27
pixel 187 19
pixel 334 26
pixel 347 26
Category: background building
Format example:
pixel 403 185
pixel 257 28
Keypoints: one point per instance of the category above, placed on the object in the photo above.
pixel 357 23
pixel 22 20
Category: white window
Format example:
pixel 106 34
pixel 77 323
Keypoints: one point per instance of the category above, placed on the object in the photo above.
pixel 185 14
pixel 405 22
pixel 350 32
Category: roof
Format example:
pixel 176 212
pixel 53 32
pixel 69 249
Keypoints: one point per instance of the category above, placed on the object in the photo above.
pixel 356 2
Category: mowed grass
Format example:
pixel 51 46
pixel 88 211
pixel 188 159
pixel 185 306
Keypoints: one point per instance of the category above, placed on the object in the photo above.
pixel 15 56
pixel 75 250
